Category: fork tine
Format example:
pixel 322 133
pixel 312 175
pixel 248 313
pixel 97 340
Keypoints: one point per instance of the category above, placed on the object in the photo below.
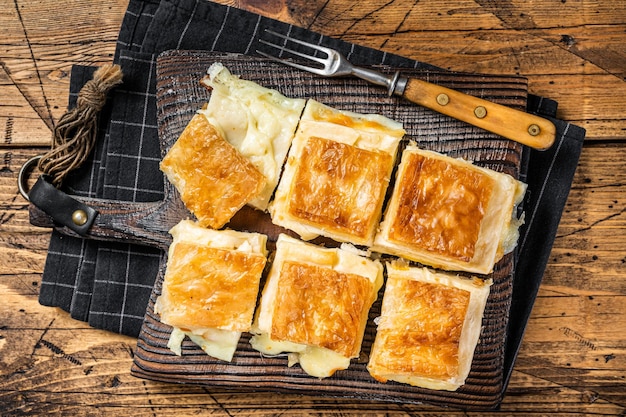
pixel 334 64
pixel 294 52
pixel 314 70
pixel 327 51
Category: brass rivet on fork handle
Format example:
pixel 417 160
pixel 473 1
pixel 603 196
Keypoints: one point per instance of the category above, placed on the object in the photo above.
pixel 534 130
pixel 480 112
pixel 443 99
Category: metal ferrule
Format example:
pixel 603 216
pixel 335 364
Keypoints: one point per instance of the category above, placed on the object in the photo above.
pixel 395 84
pixel 398 84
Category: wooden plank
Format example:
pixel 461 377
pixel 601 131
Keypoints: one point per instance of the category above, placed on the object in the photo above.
pixel 17 232
pixel 22 246
pixel 19 122
pixel 575 335
pixel 480 42
pixel 592 115
pixel 591 234
pixel 564 377
pixel 39 48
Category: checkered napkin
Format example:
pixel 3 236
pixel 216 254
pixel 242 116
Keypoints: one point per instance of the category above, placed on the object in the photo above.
pixel 108 284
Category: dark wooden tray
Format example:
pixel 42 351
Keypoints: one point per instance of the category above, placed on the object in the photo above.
pixel 179 96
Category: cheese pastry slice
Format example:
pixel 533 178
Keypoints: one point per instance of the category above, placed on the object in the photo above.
pixel 449 213
pixel 336 175
pixel 210 286
pixel 315 305
pixel 259 122
pixel 428 329
pixel 213 179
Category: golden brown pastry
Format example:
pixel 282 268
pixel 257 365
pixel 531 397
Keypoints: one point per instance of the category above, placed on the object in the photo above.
pixel 214 180
pixel 336 174
pixel 428 329
pixel 315 305
pixel 449 213
pixel 259 122
pixel 210 286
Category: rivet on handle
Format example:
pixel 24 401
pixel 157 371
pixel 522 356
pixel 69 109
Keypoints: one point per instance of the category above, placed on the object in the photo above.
pixel 443 99
pixel 79 217
pixel 480 112
pixel 534 130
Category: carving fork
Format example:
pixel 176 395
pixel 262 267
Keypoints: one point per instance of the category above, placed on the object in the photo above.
pixel 516 125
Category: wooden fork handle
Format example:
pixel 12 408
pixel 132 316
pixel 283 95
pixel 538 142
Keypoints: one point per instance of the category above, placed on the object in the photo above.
pixel 522 127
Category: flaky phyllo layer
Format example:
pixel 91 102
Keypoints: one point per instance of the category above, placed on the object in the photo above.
pixel 259 122
pixel 428 327
pixel 336 175
pixel 315 305
pixel 210 286
pixel 449 213
pixel 213 179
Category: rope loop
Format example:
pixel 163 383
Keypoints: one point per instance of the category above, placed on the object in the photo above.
pixel 75 133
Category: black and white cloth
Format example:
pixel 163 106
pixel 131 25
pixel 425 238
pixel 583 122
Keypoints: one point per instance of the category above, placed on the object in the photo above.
pixel 108 284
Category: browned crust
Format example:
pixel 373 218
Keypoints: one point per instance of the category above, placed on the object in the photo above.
pixel 321 307
pixel 218 180
pixel 209 287
pixel 440 207
pixel 420 334
pixel 331 177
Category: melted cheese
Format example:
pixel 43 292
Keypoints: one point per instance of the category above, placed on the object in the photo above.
pixel 218 343
pixel 449 213
pixel 315 305
pixel 336 174
pixel 314 360
pixel 214 181
pixel 259 122
pixel 428 329
pixel 210 286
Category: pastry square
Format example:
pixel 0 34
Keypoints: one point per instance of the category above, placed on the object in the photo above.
pixel 214 180
pixel 259 122
pixel 336 175
pixel 315 305
pixel 429 327
pixel 449 213
pixel 210 286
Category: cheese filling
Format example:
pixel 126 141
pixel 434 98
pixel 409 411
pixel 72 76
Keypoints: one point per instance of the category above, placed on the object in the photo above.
pixel 429 327
pixel 449 213
pixel 259 122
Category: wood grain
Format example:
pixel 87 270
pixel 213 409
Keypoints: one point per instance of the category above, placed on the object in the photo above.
pixel 40 44
pixel 572 360
pixel 507 122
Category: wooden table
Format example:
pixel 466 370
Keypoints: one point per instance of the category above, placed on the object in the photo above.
pixel 573 357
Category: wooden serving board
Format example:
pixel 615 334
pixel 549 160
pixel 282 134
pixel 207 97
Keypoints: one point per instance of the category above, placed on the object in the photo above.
pixel 179 96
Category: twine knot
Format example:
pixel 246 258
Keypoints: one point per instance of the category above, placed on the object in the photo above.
pixel 91 96
pixel 75 133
